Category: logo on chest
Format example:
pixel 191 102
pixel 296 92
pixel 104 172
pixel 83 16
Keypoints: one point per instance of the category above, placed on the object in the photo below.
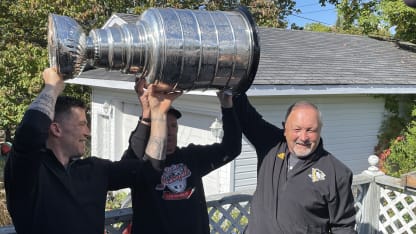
pixel 281 155
pixel 317 175
pixel 174 178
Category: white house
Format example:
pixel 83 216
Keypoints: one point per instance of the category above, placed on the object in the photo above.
pixel 339 73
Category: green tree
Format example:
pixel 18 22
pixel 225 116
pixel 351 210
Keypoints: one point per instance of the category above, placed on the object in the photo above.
pixel 401 17
pixel 265 12
pixel 355 17
pixel 294 26
pixel 20 67
pixel 270 13
pixel 23 48
pixel 377 17
pixel 318 27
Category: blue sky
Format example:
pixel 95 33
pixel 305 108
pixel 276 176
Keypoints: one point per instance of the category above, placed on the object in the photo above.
pixel 312 12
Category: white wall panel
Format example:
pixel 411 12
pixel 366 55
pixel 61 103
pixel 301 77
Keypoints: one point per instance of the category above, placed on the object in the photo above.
pixel 351 125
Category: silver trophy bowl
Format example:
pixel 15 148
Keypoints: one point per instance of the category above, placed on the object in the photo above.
pixel 190 49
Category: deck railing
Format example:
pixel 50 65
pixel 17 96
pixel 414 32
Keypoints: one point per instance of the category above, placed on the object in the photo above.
pixel 383 205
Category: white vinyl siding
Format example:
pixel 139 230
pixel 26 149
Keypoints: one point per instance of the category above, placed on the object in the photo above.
pixel 351 125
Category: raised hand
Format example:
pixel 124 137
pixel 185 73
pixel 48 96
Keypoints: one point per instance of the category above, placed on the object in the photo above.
pixel 143 96
pixel 51 77
pixel 161 98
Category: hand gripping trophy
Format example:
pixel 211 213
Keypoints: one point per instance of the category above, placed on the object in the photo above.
pixel 187 49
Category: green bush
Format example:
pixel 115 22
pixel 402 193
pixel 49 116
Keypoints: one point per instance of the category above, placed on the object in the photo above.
pixel 402 152
pixel 398 115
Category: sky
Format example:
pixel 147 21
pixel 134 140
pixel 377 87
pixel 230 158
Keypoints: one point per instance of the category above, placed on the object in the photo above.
pixel 312 12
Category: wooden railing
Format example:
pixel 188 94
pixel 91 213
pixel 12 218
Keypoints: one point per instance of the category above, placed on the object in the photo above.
pixel 383 205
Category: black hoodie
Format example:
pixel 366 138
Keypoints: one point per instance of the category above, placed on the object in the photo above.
pixel 314 197
pixel 44 197
pixel 172 201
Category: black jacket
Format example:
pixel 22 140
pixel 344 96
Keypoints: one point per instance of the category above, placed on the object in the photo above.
pixel 314 197
pixel 43 197
pixel 173 201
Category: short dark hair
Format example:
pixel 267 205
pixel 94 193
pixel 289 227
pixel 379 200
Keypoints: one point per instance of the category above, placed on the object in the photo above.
pixel 175 112
pixel 65 103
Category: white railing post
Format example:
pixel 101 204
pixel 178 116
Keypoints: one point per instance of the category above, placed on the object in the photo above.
pixel 371 199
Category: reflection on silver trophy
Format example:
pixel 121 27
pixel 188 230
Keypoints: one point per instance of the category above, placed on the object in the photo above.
pixel 191 49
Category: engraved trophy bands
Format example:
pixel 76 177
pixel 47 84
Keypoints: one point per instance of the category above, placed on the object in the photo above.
pixel 191 49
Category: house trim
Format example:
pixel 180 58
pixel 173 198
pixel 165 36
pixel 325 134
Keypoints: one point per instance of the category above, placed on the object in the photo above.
pixel 271 90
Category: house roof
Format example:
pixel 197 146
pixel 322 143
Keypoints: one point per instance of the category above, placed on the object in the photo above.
pixel 292 62
pixel 312 58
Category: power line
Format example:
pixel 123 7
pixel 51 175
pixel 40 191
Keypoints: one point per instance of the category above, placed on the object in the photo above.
pixel 309 12
pixel 301 14
pixel 312 20
pixel 311 4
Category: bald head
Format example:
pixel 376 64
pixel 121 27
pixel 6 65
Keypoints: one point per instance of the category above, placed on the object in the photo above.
pixel 303 128
pixel 304 104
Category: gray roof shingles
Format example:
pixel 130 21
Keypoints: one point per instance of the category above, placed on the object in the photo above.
pixel 290 57
pixel 313 58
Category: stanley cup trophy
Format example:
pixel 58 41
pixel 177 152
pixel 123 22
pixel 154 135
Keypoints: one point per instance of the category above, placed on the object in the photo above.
pixel 189 49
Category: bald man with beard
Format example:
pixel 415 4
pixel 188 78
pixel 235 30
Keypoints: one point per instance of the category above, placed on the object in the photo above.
pixel 301 187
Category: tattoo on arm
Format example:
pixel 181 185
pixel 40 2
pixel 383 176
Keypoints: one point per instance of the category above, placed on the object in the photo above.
pixel 45 102
pixel 156 119
pixel 156 148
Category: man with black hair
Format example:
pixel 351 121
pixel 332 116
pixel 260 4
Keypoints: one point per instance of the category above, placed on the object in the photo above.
pixel 49 187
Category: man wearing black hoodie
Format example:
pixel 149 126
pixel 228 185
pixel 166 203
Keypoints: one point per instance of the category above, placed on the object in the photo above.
pixel 49 187
pixel 171 200
pixel 301 187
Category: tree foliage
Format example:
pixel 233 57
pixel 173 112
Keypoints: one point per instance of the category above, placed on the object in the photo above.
pixel 318 27
pixel 377 17
pixel 356 17
pixel 269 13
pixel 402 153
pixel 20 67
pixel 401 17
pixel 398 115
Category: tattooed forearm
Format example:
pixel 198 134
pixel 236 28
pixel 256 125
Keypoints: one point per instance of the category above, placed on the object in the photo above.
pixel 156 148
pixel 45 102
pixel 159 119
